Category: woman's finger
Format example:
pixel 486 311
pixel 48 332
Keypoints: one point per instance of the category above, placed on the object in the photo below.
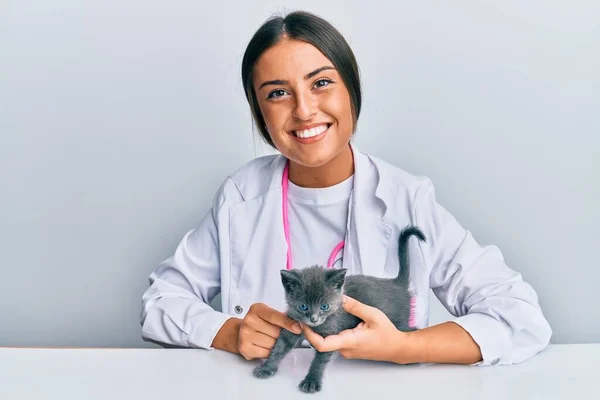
pixel 260 339
pixel 254 344
pixel 262 326
pixel 259 352
pixel 362 311
pixel 342 340
pixel 277 318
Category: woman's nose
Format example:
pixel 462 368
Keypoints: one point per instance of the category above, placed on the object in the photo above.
pixel 314 318
pixel 305 107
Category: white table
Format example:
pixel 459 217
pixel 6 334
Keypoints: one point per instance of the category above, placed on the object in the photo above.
pixel 559 372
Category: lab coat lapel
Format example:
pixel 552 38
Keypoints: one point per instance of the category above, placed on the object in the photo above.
pixel 253 223
pixel 369 233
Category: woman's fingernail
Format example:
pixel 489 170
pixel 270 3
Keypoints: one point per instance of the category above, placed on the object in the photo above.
pixel 344 298
pixel 297 327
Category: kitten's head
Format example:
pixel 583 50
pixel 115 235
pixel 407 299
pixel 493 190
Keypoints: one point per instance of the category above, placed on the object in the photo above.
pixel 313 293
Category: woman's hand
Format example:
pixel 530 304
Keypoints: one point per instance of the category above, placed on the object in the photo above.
pixel 374 339
pixel 260 328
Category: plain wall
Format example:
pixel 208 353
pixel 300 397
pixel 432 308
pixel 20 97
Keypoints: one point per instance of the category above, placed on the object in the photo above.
pixel 120 119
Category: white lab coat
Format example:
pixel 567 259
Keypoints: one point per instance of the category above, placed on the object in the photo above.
pixel 239 248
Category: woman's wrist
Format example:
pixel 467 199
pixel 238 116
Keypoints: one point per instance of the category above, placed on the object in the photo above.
pixel 227 337
pixel 407 348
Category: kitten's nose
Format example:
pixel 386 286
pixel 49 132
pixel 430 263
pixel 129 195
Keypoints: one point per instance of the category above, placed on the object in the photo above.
pixel 314 318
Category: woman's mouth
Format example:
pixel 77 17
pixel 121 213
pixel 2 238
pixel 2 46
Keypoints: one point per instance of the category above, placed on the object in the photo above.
pixel 312 134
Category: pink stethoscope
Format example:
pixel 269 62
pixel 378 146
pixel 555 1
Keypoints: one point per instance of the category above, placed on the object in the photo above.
pixel 286 225
pixel 412 321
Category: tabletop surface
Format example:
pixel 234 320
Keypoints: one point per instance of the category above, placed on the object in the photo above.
pixel 559 372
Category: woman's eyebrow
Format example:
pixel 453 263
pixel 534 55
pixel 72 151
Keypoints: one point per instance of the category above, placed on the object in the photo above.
pixel 316 71
pixel 278 82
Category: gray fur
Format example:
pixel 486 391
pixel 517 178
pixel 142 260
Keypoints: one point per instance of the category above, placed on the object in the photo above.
pixel 316 285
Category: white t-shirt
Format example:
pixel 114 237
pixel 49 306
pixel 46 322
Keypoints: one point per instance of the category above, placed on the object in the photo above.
pixel 318 220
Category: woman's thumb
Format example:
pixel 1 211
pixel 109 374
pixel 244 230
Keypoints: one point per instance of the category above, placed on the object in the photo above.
pixel 357 308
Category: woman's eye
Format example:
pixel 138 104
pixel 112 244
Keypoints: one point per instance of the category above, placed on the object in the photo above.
pixel 322 83
pixel 303 307
pixel 324 307
pixel 276 93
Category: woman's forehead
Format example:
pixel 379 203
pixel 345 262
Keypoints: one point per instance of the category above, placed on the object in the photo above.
pixel 289 59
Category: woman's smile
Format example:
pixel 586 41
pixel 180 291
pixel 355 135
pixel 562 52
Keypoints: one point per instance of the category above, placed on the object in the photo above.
pixel 308 134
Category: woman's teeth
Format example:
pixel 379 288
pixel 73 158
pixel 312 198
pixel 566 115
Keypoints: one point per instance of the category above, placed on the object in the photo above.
pixel 308 133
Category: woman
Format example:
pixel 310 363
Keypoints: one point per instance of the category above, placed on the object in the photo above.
pixel 302 84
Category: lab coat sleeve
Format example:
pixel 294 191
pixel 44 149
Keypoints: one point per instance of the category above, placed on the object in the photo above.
pixel 175 307
pixel 488 299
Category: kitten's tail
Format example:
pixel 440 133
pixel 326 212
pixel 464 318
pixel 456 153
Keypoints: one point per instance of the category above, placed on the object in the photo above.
pixel 404 272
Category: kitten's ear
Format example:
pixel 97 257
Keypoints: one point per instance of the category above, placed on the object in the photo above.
pixel 335 277
pixel 290 280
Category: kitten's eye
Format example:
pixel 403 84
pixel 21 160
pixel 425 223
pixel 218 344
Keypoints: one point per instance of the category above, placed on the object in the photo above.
pixel 324 307
pixel 303 307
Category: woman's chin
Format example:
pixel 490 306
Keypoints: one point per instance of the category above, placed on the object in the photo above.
pixel 313 159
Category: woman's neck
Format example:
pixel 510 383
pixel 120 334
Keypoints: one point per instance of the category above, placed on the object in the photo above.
pixel 340 168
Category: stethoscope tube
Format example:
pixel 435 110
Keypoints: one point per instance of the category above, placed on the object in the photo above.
pixel 286 224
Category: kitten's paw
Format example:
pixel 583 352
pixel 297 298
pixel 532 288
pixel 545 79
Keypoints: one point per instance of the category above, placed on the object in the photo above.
pixel 310 385
pixel 263 372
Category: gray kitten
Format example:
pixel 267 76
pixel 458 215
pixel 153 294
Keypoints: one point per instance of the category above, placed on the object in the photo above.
pixel 314 297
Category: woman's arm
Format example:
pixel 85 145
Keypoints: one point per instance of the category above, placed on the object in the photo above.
pixel 378 339
pixel 176 306
pixel 228 336
pixel 444 343
pixel 490 301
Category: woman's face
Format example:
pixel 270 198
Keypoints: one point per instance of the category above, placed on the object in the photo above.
pixel 304 102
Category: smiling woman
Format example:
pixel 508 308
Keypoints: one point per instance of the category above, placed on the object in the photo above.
pixel 302 84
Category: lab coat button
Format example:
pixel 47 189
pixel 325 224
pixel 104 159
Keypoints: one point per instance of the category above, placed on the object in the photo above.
pixel 238 309
pixel 495 361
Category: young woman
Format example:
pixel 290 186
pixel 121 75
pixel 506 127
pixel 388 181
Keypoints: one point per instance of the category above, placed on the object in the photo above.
pixel 322 201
